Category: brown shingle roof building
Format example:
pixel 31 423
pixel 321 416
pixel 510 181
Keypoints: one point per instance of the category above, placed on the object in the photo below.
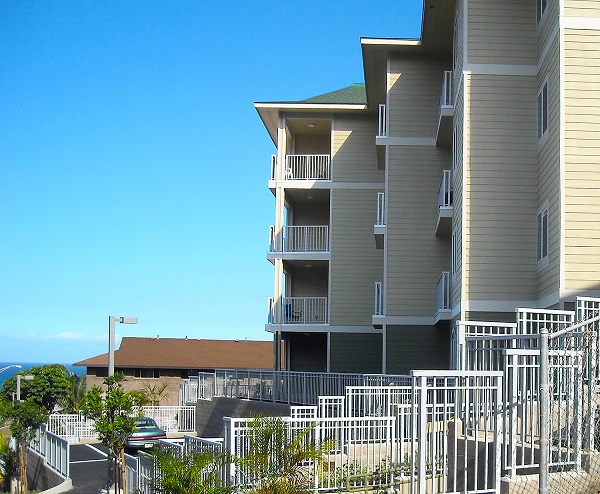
pixel 178 353
pixel 148 363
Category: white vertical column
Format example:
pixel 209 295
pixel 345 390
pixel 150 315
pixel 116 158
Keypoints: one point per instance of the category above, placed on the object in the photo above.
pixel 279 218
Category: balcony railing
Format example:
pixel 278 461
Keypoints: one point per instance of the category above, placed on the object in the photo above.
pixel 307 167
pixel 380 209
pixel 443 291
pixel 446 95
pixel 300 239
pixel 378 298
pixel 298 310
pixel 383 131
pixel 445 190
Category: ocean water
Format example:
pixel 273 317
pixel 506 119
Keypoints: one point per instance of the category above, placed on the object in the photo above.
pixel 8 373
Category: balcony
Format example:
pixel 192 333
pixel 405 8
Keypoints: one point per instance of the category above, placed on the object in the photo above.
pixel 446 111
pixel 307 167
pixel 379 229
pixel 443 225
pixel 443 308
pixel 380 139
pixel 299 242
pixel 298 311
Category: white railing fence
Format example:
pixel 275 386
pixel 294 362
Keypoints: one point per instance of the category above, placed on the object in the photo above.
pixel 54 449
pixel 298 310
pixel 300 239
pixel 307 167
pixel 382 130
pixel 74 427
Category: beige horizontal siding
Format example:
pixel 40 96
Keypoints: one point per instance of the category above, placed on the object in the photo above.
pixel 354 155
pixel 414 96
pixel 501 212
pixel 582 152
pixel 461 143
pixel 356 264
pixel 415 256
pixel 502 32
pixel 548 156
pixel 582 8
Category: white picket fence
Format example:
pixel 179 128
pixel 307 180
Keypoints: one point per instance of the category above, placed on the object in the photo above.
pixel 54 449
pixel 74 427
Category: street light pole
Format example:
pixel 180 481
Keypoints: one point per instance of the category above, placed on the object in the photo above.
pixel 111 339
pixel 25 378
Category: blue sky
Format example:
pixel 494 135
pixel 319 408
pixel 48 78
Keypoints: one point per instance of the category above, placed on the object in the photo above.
pixel 133 166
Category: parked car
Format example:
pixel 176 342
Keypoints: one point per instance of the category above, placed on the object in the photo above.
pixel 146 434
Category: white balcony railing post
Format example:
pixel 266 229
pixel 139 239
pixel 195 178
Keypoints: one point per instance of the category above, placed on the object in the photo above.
pixel 380 208
pixel 382 131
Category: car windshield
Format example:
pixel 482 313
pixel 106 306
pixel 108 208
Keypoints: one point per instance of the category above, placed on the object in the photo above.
pixel 145 424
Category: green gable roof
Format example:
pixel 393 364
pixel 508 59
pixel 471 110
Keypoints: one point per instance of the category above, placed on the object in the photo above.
pixel 351 95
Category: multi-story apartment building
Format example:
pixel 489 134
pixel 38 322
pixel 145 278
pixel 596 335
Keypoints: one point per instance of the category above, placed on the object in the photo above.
pixel 460 182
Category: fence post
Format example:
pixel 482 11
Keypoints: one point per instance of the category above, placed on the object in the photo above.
pixel 544 411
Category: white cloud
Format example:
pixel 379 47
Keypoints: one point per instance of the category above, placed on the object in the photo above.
pixel 70 336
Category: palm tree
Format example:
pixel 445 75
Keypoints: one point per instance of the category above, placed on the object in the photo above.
pixel 192 473
pixel 279 460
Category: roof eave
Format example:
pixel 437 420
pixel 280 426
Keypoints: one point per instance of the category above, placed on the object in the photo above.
pixel 269 111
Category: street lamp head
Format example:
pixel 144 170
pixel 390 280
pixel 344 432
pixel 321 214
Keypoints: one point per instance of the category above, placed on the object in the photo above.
pixel 128 320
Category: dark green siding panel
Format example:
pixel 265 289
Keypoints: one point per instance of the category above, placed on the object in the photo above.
pixel 491 316
pixel 308 351
pixel 417 347
pixel 356 352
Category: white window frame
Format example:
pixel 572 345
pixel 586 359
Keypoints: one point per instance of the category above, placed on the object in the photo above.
pixel 541 7
pixel 542 235
pixel 542 110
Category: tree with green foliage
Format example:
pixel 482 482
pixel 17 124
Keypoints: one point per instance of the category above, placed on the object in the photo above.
pixel 50 385
pixel 193 473
pixel 277 457
pixel 114 411
pixel 75 396
pixel 25 418
pixel 8 463
pixel 39 397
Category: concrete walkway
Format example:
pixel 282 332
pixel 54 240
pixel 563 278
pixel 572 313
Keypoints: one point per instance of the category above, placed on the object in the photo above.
pixel 88 467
